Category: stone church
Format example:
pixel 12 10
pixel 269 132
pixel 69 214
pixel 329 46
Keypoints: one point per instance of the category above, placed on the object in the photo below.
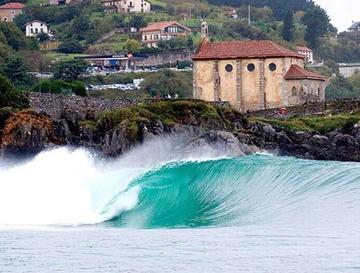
pixel 253 75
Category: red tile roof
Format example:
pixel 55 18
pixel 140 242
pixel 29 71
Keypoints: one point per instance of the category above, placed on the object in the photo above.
pixel 161 26
pixel 241 50
pixel 12 5
pixel 297 73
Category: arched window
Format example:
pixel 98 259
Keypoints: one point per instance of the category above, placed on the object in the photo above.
pixel 293 91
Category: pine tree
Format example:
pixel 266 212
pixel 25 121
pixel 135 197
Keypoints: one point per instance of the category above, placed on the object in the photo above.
pixel 288 28
pixel 317 25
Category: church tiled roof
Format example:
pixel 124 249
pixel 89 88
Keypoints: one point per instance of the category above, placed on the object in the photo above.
pixel 297 73
pixel 242 49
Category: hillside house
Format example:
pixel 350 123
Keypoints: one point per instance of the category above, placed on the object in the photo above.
pixel 59 2
pixel 307 52
pixel 349 69
pixel 162 31
pixel 10 10
pixel 254 75
pixel 126 6
pixel 34 28
pixel 355 27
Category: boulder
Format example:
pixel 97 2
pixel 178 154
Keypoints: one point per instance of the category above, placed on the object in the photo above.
pixel 27 133
pixel 115 142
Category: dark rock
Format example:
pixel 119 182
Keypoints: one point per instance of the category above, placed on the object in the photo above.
pixel 341 140
pixel 115 142
pixel 62 132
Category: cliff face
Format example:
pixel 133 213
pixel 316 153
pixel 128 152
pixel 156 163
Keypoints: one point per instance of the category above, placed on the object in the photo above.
pixel 26 132
pixel 114 132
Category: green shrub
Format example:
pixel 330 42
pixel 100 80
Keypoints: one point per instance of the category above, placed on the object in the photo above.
pixel 78 88
pixel 10 97
pixel 71 46
pixel 60 87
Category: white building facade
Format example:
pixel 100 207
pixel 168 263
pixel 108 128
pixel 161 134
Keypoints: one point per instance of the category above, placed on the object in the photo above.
pixel 126 6
pixel 34 28
pixel 307 52
pixel 349 69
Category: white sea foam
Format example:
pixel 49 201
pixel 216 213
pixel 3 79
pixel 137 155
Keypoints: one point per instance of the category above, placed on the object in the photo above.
pixel 68 186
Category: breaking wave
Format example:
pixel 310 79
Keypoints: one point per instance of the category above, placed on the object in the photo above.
pixel 165 185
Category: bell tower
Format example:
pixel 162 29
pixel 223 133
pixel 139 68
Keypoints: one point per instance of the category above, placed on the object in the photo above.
pixel 204 30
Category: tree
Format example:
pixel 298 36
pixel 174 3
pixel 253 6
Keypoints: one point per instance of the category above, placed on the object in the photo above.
pixel 190 42
pixel 340 88
pixel 9 96
pixel 137 22
pixel 317 24
pixel 288 27
pixel 14 36
pixel 132 46
pixel 119 21
pixel 22 19
pixel 43 37
pixel 16 70
pixel 70 46
pixel 80 26
pixel 60 87
pixel 168 82
pixel 69 70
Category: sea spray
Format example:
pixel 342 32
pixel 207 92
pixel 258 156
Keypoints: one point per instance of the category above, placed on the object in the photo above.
pixel 68 186
pixel 169 183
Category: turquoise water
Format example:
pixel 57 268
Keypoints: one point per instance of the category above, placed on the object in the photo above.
pixel 68 211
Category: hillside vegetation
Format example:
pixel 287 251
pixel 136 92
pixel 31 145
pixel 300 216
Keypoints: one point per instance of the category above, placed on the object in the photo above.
pixel 80 27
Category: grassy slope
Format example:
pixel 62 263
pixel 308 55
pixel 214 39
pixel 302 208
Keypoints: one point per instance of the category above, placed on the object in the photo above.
pixel 322 124
pixel 192 112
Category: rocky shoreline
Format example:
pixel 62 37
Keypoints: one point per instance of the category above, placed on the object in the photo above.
pixel 111 134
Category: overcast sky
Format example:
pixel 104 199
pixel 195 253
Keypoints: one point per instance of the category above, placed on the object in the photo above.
pixel 342 12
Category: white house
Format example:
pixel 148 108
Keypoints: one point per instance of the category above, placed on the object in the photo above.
pixel 126 6
pixel 34 28
pixel 307 52
pixel 162 31
pixel 355 27
pixel 348 69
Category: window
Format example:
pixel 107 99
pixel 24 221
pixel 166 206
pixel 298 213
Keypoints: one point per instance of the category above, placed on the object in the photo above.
pixel 251 67
pixel 229 68
pixel 319 91
pixel 272 67
pixel 294 92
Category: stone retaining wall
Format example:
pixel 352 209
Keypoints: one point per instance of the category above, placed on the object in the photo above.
pixel 53 105
pixel 315 108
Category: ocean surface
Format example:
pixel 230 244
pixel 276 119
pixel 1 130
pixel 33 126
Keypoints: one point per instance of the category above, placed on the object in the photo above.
pixel 163 208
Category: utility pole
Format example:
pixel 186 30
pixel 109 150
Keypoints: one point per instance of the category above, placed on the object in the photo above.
pixel 249 15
